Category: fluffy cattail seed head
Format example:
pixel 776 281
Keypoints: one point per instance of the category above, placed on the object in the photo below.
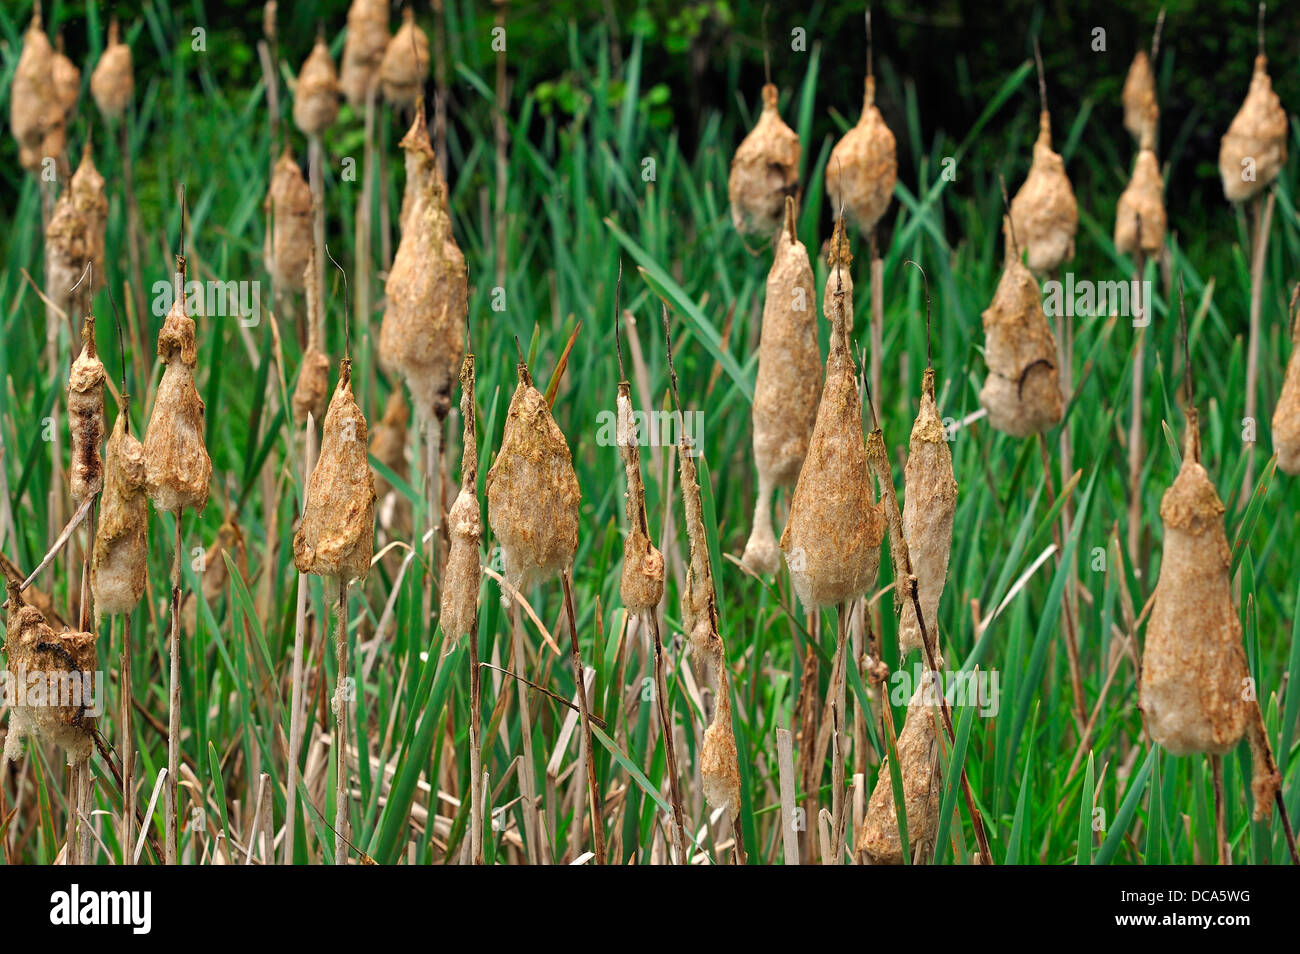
pixel 863 167
pixel 642 584
pixel 1192 693
pixel 388 446
pixel 34 109
pixel 1044 211
pixel 292 240
pixel 1022 392
pixel 405 63
pixel 929 507
pixel 423 332
pixel 364 48
pixel 67 81
pixel 764 170
pixel 313 386
pixel 787 387
pixel 719 762
pixel 532 491
pixel 336 537
pixel 832 539
pixel 1286 417
pixel 1140 214
pixel 32 646
pixel 1253 150
pixel 918 763
pixel 177 467
pixel 113 83
pixel 316 98
pixel 1139 97
pixel 461 579
pixel 86 418
pixel 119 567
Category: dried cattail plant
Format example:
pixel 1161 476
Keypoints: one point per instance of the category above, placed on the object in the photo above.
pixel 405 63
pixel 787 387
pixel 422 335
pixel 1140 97
pixel 832 538
pixel 363 50
pixel 863 166
pixel 388 446
pixel 316 98
pixel 291 241
pixel 1022 392
pixel 918 764
pixel 86 418
pixel 34 109
pixel 112 84
pixel 764 171
pixel 119 567
pixel 1253 150
pixel 1140 214
pixel 67 81
pixel 312 388
pixel 74 238
pixel 336 536
pixel 32 646
pixel 719 761
pixel 1286 416
pixel 929 508
pixel 1044 212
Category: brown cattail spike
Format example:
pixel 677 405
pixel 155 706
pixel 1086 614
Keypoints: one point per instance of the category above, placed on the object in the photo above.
pixel 1022 393
pixel 388 446
pixel 1139 97
pixel 86 418
pixel 113 84
pixel 1253 150
pixel 405 63
pixel 33 649
pixel 918 763
pixel 119 567
pixel 316 98
pixel 291 237
pixel 422 336
pixel 1140 214
pixel 863 166
pixel 364 49
pixel 461 579
pixel 832 539
pixel 34 109
pixel 787 387
pixel 764 170
pixel 532 491
pixel 337 534
pixel 1286 417
pixel 1044 212
pixel 312 388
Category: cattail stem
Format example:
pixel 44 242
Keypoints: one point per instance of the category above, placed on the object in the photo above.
pixel 593 788
pixel 1263 216
pixel 296 712
pixel 475 747
pixel 127 746
pixel 877 320
pixel 1135 451
pixel 316 180
pixel 433 472
pixel 171 792
pixel 1059 530
pixel 1220 824
pixel 132 234
pixel 836 690
pixel 340 728
pixel 666 727
pixel 527 778
pixel 362 238
pixel 501 137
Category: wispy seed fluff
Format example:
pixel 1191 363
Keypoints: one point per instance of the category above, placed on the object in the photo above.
pixel 364 48
pixel 863 167
pixel 1253 150
pixel 1022 392
pixel 1140 214
pixel 641 586
pixel 34 110
pixel 113 84
pixel 1286 417
pixel 405 63
pixel 119 566
pixel 919 767
pixel 178 470
pixel 1044 211
pixel 291 240
pixel 32 646
pixel 388 446
pixel 764 170
pixel 74 237
pixel 1139 97
pixel 463 574
pixel 532 491
pixel 832 539
pixel 787 387
pixel 316 98
pixel 313 386
pixel 336 537
pixel 423 332
pixel 86 418
pixel 929 507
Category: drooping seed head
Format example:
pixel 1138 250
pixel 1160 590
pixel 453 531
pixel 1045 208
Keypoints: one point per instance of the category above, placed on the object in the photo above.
pixel 1253 150
pixel 463 575
pixel 1140 213
pixel 113 82
pixel 1044 212
pixel 1286 416
pixel 316 98
pixel 405 63
pixel 863 167
pixel 86 418
pixel 291 237
pixel 313 386
pixel 641 586
pixel 363 50
pixel 119 567
pixel 764 170
pixel 918 763
pixel 34 109
pixel 1139 97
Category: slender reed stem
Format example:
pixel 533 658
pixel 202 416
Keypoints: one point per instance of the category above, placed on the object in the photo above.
pixel 527 778
pixel 296 712
pixel 475 747
pixel 1220 825
pixel 1135 449
pixel 127 745
pixel 666 729
pixel 1263 216
pixel 171 791
pixel 341 728
pixel 593 788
